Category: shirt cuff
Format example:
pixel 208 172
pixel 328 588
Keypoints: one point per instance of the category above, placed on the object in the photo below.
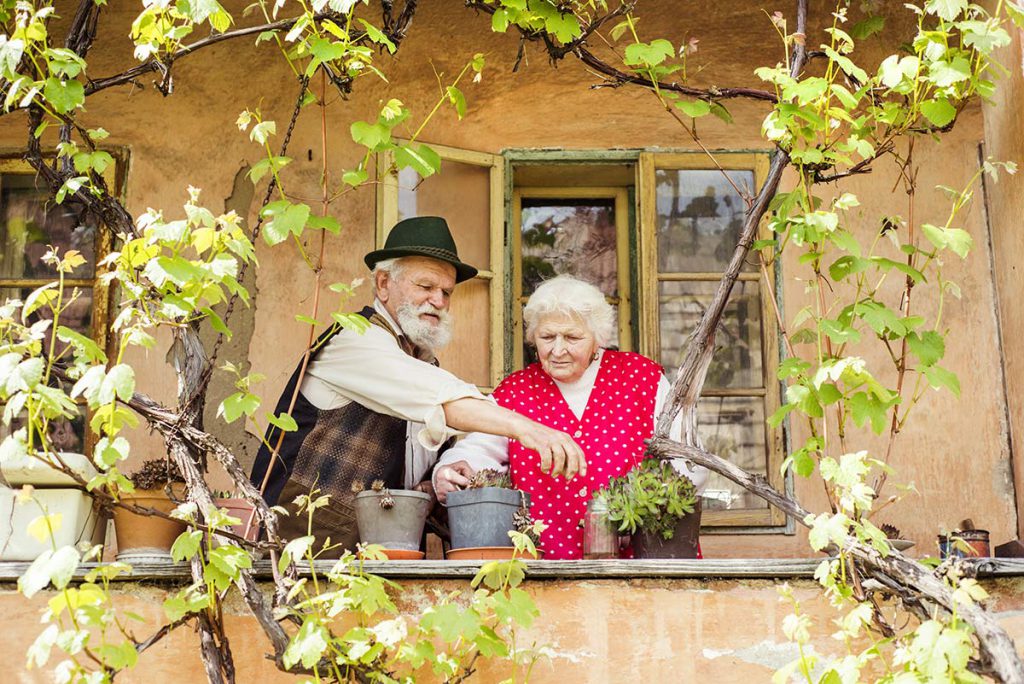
pixel 435 430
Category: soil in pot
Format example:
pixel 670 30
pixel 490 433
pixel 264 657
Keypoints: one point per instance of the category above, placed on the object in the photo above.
pixel 683 544
pixel 397 527
pixel 145 536
pixel 484 516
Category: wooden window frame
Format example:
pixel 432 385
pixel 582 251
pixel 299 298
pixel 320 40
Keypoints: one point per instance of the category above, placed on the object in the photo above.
pixel 650 277
pixel 494 275
pixel 99 328
pixel 620 195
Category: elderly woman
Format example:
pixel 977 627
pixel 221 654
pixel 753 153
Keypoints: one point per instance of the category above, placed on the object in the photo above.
pixel 607 400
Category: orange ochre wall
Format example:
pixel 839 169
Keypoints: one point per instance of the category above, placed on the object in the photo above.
pixel 956 453
pixel 643 630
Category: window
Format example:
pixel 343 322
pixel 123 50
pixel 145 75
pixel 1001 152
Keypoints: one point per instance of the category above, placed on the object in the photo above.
pixel 691 216
pixel 29 223
pixel 654 231
pixel 468 193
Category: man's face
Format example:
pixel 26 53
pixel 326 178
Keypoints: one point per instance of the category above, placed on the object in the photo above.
pixel 418 298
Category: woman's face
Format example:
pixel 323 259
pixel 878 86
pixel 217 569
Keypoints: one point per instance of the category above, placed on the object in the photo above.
pixel 565 346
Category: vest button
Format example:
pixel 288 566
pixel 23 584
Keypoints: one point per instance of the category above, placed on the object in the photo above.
pixel 578 433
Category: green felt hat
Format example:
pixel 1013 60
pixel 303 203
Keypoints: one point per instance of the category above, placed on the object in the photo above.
pixel 422 236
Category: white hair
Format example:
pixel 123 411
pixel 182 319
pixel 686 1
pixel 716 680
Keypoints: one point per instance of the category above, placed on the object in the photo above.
pixel 393 267
pixel 571 296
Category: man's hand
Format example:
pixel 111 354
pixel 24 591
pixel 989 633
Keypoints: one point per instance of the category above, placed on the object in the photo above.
pixel 427 488
pixel 559 454
pixel 450 477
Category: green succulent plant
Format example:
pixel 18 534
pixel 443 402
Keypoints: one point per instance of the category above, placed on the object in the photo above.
pixel 652 497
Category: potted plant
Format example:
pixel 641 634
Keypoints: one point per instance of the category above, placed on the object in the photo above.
pixel 241 509
pixel 142 538
pixel 53 493
pixel 481 516
pixel 392 518
pixel 659 507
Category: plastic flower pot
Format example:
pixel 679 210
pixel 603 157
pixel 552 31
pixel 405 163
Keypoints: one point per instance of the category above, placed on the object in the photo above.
pixel 683 543
pixel 397 527
pixel 78 521
pixel 484 516
pixel 147 537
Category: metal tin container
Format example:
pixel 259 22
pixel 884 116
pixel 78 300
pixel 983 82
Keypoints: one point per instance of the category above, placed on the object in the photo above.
pixel 976 541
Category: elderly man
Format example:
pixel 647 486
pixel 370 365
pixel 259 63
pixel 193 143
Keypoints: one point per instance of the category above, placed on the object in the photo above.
pixel 375 405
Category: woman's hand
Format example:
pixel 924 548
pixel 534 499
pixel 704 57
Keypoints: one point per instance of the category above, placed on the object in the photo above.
pixel 450 477
pixel 559 454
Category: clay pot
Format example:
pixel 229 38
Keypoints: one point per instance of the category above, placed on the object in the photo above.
pixel 145 536
pixel 241 509
pixel 683 543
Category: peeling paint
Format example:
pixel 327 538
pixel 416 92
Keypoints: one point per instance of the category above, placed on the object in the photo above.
pixel 770 654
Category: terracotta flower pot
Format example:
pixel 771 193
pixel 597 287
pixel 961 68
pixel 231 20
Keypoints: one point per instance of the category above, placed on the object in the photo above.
pixel 145 536
pixel 241 509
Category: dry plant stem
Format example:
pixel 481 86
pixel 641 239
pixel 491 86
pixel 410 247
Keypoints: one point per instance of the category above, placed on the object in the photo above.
pixel 999 656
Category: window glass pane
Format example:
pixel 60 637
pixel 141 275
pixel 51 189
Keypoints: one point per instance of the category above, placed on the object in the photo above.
pixel 77 315
pixel 461 194
pixel 733 428
pixel 30 220
pixel 469 356
pixel 737 361
pixel 575 236
pixel 699 219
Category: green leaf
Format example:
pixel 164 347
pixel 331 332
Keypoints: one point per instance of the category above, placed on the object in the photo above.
pixel 44 527
pixel 929 347
pixel 456 97
pixel 955 239
pixel 355 177
pixel 119 381
pixel 939 377
pixel 775 420
pixel 423 160
pixel 847 265
pixel 939 112
pixel 944 74
pixel 1015 10
pixel 719 110
pixel 85 348
pixel 328 223
pixel 499 21
pixel 64 96
pixel 57 567
pixel 371 136
pixel 283 422
pixel 946 9
pixel 308 645
pixel 694 108
pixel 186 545
pixel 237 405
pixel 866 407
pixel 648 54
pixel 867 27
pixel 119 656
pixel 285 218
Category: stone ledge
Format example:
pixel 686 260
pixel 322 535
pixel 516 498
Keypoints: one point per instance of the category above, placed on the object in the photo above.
pixel 751 568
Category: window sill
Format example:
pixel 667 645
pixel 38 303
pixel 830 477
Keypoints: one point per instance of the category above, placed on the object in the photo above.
pixel 748 568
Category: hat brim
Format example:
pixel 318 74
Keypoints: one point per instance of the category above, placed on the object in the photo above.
pixel 463 271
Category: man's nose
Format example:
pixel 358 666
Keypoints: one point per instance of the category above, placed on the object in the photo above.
pixel 437 299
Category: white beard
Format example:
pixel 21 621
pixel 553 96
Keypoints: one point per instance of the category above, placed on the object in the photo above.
pixel 421 333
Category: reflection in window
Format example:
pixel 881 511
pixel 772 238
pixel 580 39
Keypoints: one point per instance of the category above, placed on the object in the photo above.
pixel 30 223
pixel 699 219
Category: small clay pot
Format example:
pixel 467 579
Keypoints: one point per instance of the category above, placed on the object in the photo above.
pixel 146 535
pixel 241 509
pixel 683 544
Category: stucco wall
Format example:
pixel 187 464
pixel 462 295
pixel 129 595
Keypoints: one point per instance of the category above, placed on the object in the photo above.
pixel 956 452
pixel 598 630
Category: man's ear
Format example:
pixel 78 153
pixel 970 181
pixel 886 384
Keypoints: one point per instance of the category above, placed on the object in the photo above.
pixel 382 284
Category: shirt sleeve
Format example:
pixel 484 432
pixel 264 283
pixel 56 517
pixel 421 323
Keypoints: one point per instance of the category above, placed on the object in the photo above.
pixel 697 474
pixel 481 450
pixel 372 370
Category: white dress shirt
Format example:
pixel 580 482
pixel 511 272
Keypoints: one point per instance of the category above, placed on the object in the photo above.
pixel 482 450
pixel 372 370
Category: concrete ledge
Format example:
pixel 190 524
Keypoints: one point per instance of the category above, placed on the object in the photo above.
pixel 765 568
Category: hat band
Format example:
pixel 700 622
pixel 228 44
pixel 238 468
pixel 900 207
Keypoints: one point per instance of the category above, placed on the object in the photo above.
pixel 440 253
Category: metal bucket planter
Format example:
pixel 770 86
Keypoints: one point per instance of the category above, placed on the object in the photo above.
pixel 483 516
pixel 397 527
pixel 683 543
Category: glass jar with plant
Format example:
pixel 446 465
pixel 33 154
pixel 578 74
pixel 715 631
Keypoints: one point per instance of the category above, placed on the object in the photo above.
pixel 658 506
